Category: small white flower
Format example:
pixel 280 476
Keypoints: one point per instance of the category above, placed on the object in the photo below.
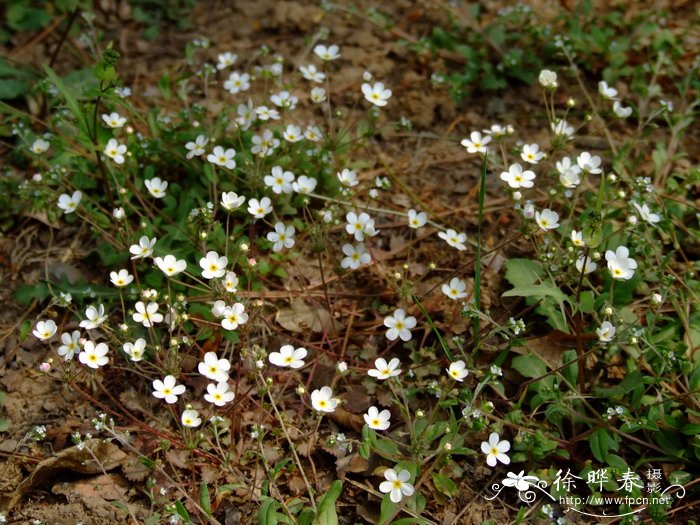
pixel 279 181
pixel 348 178
pixel 563 129
pixel 323 400
pixel 225 60
pixel 213 265
pixel 167 389
pixel 458 370
pixel 233 316
pixel 45 330
pixel 219 394
pixel 531 153
pixel 214 368
pixel 114 120
pixel 222 157
pixel 529 210
pixel 548 78
pixel 292 133
pixel 217 310
pixel 283 237
pixel 383 370
pixel 313 134
pixel 40 146
pixel 495 450
pixel 621 111
pixel 156 187
pixel 69 203
pixel 196 148
pixel 95 317
pixel 377 420
pixel 70 344
pixel 288 356
pixel 377 94
pixel 230 282
pixel 606 91
pixel 620 264
pixel 355 256
pixel 360 225
pixel 456 289
pixel 311 73
pixel 399 325
pixel 121 278
pixel 304 185
pixel 170 266
pixel 147 314
pixel 568 173
pixel 327 53
pixel 396 485
pixel 605 332
pixel 547 219
pixel 476 143
pixel 577 238
pixel 264 113
pixel 517 178
pixel 143 249
pixel 646 214
pixel 259 208
pixel 417 219
pixel 589 163
pixel 94 356
pixel 118 213
pixel 231 201
pixel 135 350
pixel 454 239
pixel 115 151
pixel 586 268
pixel 190 418
pixel 285 100
pixel 237 82
pixel 318 95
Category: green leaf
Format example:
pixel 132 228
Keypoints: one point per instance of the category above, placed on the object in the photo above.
pixel 522 272
pixel 587 302
pixel 4 425
pixel 327 514
pixel 70 97
pixel 530 366
pixel 629 383
pixel 445 485
pixel 182 511
pixel 538 291
pixel 267 515
pixel 600 444
pixel 204 498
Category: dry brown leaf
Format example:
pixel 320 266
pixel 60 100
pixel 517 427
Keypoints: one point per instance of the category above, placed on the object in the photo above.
pixel 94 492
pixel 301 317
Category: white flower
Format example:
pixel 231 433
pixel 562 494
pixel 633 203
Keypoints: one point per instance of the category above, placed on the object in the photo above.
pixel 520 481
pixel 284 99
pixel 264 113
pixel 170 266
pixel 377 94
pixel 586 268
pixel 456 289
pixel 222 157
pixel 657 299
pixel 417 219
pixel 396 485
pixel 606 91
pixel 45 330
pixel 454 239
pixel 225 60
pixel 118 213
pixel 495 450
pixel 70 344
pixel 547 219
pixel 646 214
pixel 40 146
pixel 589 163
pixel 605 332
pixel 231 201
pixel 264 145
pixel 95 317
pixel 311 73
pixel 147 314
pixel 196 148
pixel 568 173
pixel 237 82
pixel 217 310
pixel 115 151
pixel 283 237
pixel 190 418
pixel 136 349
pixel 304 185
pixel 531 153
pixel 577 238
pixel 517 178
pixel 114 120
pixel 563 129
pixel 259 208
pixel 355 256
pixel 348 178
pixel 383 370
pixel 288 356
pixel 230 282
pixel 292 133
pixel 122 91
pixel 377 420
pixel 313 133
pixel 318 95
pixel 219 394
pixel 458 370
pixel 167 389
pixel 94 356
pixel 548 78
pixel 156 187
pixel 621 111
pixel 476 143
pixel 121 278
pixel 620 264
pixel 279 181
pixel 360 225
pixel 529 210
pixel 69 203
pixel 143 249
pixel 323 400
pixel 233 316
pixel 327 53
pixel 399 325
pixel 213 265
pixel 214 368
pixel 246 115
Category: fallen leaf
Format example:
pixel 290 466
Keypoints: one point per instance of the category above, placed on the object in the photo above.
pixel 301 317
